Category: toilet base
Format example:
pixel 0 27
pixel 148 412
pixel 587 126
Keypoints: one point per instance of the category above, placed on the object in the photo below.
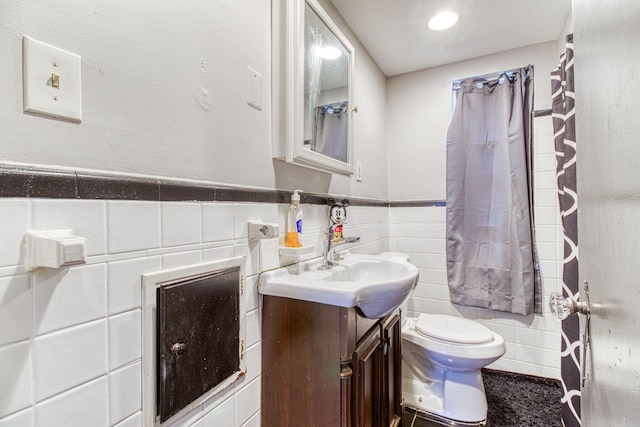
pixel 457 396
pixel 422 396
pixel 419 418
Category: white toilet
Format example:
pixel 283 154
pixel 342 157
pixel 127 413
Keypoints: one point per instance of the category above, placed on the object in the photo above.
pixel 442 358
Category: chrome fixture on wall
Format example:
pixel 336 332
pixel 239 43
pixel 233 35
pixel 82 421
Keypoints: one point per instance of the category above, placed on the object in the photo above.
pixel 563 307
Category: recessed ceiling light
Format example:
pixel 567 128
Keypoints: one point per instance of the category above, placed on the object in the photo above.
pixel 329 52
pixel 443 20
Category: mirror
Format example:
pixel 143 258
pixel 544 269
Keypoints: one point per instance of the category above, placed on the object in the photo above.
pixel 319 89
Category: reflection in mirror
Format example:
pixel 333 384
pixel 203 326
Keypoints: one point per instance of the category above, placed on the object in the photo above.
pixel 326 94
pixel 319 90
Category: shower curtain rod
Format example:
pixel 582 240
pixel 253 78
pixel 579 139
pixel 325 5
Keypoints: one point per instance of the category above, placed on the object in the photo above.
pixel 542 113
pixel 485 78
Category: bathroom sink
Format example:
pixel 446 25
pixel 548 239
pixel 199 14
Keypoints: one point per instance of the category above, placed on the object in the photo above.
pixel 376 284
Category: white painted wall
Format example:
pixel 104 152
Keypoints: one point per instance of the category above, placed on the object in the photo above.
pixel 164 91
pixel 567 28
pixel 419 111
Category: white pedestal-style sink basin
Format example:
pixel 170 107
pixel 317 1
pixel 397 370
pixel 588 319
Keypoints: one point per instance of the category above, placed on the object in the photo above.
pixel 377 284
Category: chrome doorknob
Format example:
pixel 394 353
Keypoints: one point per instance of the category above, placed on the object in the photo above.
pixel 563 307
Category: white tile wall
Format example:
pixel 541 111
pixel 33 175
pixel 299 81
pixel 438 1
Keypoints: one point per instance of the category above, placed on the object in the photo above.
pixel 125 338
pixel 533 342
pixel 133 225
pixel 133 421
pixel 248 401
pixel 181 223
pixel 217 222
pixel 67 297
pixel 20 419
pixel 67 358
pixel 85 405
pixel 222 415
pixel 15 371
pixel 70 345
pixel 70 339
pixel 124 282
pixel 15 309
pixel 124 392
pixel 15 219
pixel 88 221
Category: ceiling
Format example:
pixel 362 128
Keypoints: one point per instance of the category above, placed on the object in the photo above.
pixel 395 34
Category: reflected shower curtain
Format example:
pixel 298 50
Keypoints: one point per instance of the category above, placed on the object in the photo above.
pixel 491 259
pixel 564 133
pixel 331 133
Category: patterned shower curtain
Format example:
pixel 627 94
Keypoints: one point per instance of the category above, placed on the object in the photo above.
pixel 563 100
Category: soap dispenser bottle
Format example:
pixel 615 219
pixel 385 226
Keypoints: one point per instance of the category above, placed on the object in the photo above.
pixel 293 237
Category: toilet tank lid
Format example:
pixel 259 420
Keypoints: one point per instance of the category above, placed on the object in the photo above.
pixel 453 329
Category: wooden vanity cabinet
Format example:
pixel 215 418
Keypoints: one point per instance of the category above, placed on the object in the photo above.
pixel 328 366
pixel 392 374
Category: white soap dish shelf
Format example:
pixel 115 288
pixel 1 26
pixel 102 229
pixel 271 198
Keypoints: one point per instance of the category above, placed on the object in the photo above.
pixel 303 250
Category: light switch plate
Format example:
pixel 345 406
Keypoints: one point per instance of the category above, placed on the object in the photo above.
pixel 45 67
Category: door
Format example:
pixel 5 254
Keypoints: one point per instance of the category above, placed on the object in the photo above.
pixel 391 375
pixel 367 381
pixel 607 77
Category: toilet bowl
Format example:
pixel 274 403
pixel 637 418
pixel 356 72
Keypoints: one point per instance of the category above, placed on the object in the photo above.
pixel 442 358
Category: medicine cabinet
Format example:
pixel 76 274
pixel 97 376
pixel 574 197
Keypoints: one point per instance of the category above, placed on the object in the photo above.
pixel 318 90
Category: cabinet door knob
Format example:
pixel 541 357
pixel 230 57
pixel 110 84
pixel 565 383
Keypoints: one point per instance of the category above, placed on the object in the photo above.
pixel 178 348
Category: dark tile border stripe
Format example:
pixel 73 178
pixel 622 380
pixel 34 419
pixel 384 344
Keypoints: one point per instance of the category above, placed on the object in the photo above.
pixel 50 183
pixel 37 183
pixel 92 186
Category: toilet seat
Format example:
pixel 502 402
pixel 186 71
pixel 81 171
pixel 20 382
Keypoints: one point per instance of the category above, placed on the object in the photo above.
pixel 452 329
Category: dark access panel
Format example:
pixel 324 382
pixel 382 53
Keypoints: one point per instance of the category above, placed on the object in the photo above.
pixel 198 337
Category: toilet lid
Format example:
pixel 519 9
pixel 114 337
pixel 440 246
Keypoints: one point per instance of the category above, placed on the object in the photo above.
pixel 453 329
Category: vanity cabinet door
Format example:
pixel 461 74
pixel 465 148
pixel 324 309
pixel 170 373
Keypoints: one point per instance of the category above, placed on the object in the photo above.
pixel 368 381
pixel 392 374
pixel 301 369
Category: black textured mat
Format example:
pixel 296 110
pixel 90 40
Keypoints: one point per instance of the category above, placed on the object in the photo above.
pixel 517 400
pixel 514 400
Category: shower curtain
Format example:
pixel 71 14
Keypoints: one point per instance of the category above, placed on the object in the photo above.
pixel 491 259
pixel 563 107
pixel 331 132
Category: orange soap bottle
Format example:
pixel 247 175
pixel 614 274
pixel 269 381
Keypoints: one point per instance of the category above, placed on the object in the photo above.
pixel 294 222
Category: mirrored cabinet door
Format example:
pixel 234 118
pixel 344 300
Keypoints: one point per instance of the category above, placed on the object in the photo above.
pixel 319 90
pixel 326 89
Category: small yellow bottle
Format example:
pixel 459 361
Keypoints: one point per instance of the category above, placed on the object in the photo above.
pixel 294 222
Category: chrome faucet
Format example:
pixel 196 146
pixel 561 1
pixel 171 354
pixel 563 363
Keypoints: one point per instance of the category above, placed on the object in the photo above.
pixel 337 215
pixel 329 254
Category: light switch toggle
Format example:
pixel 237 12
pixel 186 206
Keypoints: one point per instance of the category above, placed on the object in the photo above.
pixel 53 249
pixel 55 80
